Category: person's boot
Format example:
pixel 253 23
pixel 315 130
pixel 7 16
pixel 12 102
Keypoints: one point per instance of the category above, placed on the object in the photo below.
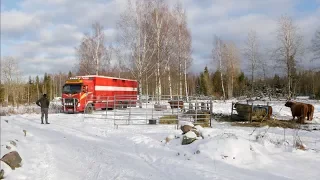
pixel 41 122
pixel 47 122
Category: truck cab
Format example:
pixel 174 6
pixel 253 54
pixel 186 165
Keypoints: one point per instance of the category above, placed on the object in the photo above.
pixel 86 93
pixel 74 93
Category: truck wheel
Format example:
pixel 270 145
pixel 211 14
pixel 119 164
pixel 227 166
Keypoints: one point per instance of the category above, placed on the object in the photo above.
pixel 89 109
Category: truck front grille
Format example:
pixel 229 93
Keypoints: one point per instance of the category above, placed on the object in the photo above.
pixel 70 102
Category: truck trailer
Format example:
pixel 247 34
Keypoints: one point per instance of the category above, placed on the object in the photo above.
pixel 93 92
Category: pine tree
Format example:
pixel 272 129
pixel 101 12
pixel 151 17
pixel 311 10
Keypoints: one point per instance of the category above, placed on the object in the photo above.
pixel 207 82
pixel 198 86
pixel 202 84
pixel 70 74
pixel 48 86
pixel 216 83
pixel 38 86
pixel 2 93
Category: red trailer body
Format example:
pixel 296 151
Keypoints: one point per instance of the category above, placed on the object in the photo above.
pixel 97 92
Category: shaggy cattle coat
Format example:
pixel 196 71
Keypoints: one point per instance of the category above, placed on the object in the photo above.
pixel 299 110
pixel 310 111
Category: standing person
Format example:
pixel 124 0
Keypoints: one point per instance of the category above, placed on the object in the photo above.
pixel 43 102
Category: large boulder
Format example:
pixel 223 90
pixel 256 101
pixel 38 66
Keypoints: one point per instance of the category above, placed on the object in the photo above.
pixel 186 128
pixel 188 138
pixel 13 159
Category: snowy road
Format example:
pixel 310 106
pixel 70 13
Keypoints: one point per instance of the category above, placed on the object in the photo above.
pixel 70 148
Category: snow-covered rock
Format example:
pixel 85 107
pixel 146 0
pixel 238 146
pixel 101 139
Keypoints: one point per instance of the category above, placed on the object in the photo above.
pixel 184 123
pixel 169 138
pixel 190 135
pixel 5 168
pixel 186 128
pixel 13 159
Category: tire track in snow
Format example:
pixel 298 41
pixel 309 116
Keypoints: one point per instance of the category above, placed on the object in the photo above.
pixel 42 162
pixel 88 155
pixel 39 162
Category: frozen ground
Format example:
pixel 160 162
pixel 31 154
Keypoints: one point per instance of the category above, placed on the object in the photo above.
pixel 74 147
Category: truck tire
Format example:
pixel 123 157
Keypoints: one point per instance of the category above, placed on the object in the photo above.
pixel 89 109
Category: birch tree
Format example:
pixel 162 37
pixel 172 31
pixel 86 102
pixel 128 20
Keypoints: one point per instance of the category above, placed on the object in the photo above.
pixel 169 45
pixel 92 53
pixel 134 39
pixel 159 15
pixel 11 76
pixel 187 60
pixel 289 48
pixel 251 52
pixel 231 61
pixel 217 56
pixel 183 48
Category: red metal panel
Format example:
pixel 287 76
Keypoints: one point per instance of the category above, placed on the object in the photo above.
pixel 107 87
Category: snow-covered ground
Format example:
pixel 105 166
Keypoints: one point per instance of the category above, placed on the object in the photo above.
pixel 75 146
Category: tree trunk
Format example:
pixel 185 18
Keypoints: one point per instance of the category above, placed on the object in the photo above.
pixel 289 80
pixel 140 89
pixel 252 74
pixel 7 94
pixel 158 81
pixel 185 79
pixel 147 87
pixel 229 88
pixel 38 93
pixel 169 80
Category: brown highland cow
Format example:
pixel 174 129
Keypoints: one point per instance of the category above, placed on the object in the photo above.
pixel 299 110
pixel 310 112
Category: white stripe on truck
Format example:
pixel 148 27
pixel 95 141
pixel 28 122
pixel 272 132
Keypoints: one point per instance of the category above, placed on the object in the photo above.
pixel 114 88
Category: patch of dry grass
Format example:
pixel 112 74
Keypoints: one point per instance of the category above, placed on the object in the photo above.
pixel 168 119
pixel 270 123
pixel 203 120
pixel 259 114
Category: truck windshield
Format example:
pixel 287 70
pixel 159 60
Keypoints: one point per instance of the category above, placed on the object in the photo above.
pixel 72 89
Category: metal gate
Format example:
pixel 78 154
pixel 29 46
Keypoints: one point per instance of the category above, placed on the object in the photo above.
pixel 153 110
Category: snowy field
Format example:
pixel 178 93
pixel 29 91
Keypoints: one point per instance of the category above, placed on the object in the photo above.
pixel 78 147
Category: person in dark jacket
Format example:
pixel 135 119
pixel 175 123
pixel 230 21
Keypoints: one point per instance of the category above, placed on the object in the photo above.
pixel 44 103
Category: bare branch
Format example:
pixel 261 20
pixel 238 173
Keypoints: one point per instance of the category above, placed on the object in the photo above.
pixel 315 47
pixel 289 49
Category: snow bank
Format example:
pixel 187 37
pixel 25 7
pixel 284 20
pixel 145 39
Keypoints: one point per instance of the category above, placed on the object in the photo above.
pixel 234 150
pixel 23 109
pixel 9 142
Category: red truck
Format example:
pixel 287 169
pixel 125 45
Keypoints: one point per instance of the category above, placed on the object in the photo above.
pixel 87 93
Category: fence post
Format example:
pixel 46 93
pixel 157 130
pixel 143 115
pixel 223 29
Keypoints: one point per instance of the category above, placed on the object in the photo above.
pixel 251 111
pixel 232 104
pixel 129 120
pixel 107 108
pixel 140 102
pixel 211 113
pixel 114 111
pixel 196 119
